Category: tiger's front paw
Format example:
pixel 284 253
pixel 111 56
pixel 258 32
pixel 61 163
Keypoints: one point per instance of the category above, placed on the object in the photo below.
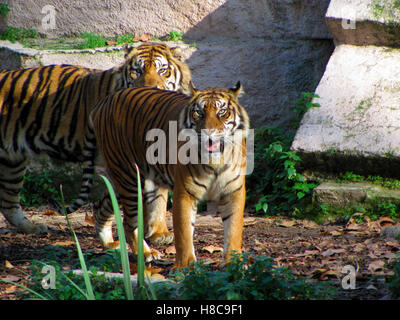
pixel 152 255
pixel 111 245
pixel 184 261
pixel 162 238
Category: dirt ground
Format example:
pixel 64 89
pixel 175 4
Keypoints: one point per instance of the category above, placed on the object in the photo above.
pixel 317 252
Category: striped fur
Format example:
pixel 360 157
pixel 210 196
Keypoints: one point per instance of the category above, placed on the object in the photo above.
pixel 45 110
pixel 120 124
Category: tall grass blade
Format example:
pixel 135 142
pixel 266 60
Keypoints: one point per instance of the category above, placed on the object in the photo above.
pixel 37 294
pixel 122 241
pixel 140 255
pixel 88 284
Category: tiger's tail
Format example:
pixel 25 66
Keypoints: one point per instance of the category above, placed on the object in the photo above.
pixel 88 169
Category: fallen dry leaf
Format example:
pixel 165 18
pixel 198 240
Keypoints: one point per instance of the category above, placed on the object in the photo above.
pixel 391 243
pixel 64 243
pixel 307 253
pixel 308 224
pixel 50 212
pixel 249 222
pixel 335 233
pixel 211 249
pixel 385 221
pixel 11 289
pixel 331 252
pixel 11 278
pixel 111 43
pixel 326 243
pixel 322 274
pixel 286 223
pixel 376 265
pixel 8 264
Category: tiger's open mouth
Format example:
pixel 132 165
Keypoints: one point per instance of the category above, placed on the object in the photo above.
pixel 214 146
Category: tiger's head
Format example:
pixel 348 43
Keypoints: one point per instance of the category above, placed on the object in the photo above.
pixel 156 65
pixel 218 119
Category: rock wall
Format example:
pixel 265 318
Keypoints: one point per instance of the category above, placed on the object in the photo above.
pixel 276 48
pixel 357 127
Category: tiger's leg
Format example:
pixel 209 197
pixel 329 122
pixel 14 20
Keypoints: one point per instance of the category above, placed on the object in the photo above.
pixel 231 209
pixel 103 215
pixel 11 181
pixel 130 208
pixel 155 204
pixel 184 208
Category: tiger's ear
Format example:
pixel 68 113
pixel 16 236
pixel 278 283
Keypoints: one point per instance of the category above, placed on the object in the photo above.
pixel 237 91
pixel 129 50
pixel 193 90
pixel 177 53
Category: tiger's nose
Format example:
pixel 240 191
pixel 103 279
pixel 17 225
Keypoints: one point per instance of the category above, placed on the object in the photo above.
pixel 209 132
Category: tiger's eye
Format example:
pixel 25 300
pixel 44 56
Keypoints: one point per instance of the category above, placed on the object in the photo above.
pixel 163 70
pixel 197 113
pixel 222 112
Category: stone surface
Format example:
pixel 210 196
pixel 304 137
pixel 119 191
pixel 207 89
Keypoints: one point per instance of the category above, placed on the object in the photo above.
pixel 290 19
pixel 359 117
pixel 357 127
pixel 344 194
pixel 365 22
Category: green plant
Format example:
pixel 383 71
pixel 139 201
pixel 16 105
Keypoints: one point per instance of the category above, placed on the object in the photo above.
pixel 70 287
pixel 14 34
pixel 39 188
pixel 245 278
pixel 394 279
pixel 387 208
pixel 89 295
pixel 125 38
pixel 121 237
pixel 350 177
pixel 92 41
pixel 276 186
pixel 4 9
pixel 174 36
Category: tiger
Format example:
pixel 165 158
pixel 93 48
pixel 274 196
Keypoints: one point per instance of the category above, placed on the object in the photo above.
pixel 45 110
pixel 121 127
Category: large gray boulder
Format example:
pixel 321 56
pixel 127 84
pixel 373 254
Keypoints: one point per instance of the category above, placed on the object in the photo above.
pixel 357 126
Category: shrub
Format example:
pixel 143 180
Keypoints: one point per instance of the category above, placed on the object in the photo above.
pixel 4 9
pixel 276 186
pixel 174 36
pixel 125 38
pixel 394 280
pixel 14 34
pixel 245 278
pixel 92 41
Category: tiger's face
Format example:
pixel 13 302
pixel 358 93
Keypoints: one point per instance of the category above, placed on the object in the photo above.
pixel 218 119
pixel 157 65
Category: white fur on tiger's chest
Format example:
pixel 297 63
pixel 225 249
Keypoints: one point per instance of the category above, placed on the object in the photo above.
pixel 223 183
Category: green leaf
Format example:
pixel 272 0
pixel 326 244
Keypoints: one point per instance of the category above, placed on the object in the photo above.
pixel 122 241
